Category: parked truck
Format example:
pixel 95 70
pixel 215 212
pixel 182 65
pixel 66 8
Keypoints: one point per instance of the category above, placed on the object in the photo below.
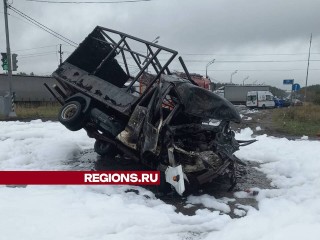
pixel 237 94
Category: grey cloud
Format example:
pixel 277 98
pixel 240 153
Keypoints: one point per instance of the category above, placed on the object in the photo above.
pixel 216 26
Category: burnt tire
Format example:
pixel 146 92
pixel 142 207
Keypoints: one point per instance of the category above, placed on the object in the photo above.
pixel 105 149
pixel 71 116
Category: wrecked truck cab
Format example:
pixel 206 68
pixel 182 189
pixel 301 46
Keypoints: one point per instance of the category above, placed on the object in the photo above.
pixel 156 118
pixel 202 103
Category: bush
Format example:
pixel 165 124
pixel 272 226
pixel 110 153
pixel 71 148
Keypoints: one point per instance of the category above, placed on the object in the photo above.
pixel 316 99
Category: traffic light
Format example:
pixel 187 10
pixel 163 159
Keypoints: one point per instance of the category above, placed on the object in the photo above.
pixel 4 60
pixel 14 62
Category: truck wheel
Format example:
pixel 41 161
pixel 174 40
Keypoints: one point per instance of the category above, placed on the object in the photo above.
pixel 105 149
pixel 71 116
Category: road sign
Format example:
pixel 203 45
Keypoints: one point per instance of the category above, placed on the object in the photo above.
pixel 295 87
pixel 288 81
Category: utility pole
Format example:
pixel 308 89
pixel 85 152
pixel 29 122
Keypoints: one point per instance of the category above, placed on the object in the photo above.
pixel 5 5
pixel 305 90
pixel 60 52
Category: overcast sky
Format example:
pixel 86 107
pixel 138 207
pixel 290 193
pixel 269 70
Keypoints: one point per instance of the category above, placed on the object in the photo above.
pixel 240 31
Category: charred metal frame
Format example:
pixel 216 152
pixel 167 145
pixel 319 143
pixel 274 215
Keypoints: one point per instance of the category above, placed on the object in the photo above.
pixel 151 59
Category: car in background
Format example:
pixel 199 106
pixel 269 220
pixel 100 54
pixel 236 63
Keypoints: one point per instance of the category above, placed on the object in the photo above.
pixel 287 102
pixel 296 102
pixel 278 102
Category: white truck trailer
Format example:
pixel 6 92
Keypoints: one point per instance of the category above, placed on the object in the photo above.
pixel 237 94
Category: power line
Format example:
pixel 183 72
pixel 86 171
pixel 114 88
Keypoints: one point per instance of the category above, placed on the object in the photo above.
pixel 68 45
pixel 35 54
pixel 44 55
pixel 27 49
pixel 43 27
pixel 240 61
pixel 246 55
pixel 87 2
pixel 38 24
pixel 20 19
pixel 253 61
pixel 251 70
pixel 241 54
pixel 39 55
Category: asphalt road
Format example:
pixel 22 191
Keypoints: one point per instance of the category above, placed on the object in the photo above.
pixel 250 178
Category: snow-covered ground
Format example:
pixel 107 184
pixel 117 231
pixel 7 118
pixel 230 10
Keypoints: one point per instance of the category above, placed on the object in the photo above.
pixel 292 211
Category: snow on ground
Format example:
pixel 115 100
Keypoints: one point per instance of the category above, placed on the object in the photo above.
pixel 211 202
pixel 39 145
pixel 292 211
pixel 244 110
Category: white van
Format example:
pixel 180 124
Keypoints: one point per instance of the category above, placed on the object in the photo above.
pixel 260 99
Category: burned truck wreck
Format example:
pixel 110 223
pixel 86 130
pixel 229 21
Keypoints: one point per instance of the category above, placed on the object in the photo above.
pixel 154 117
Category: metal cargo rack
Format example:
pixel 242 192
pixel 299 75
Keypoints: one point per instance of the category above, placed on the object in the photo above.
pixel 121 60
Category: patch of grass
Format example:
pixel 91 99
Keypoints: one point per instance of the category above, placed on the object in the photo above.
pixel 300 120
pixel 42 111
pixel 36 111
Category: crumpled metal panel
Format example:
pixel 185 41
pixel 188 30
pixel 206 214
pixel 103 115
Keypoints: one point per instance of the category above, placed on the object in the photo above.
pixel 203 103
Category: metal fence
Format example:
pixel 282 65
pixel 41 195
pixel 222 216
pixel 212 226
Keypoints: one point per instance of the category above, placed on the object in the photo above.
pixel 27 88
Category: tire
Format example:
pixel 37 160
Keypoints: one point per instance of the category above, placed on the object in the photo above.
pixel 263 106
pixel 105 149
pixel 71 116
